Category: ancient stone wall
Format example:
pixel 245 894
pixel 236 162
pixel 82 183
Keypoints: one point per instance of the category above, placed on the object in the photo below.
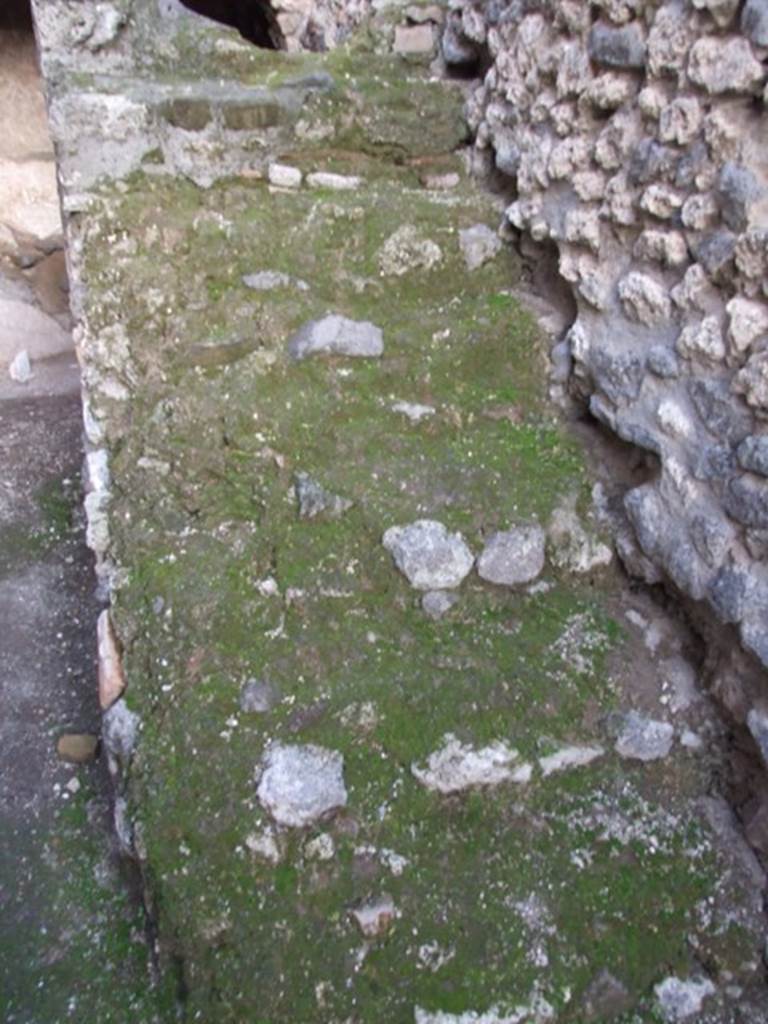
pixel 635 135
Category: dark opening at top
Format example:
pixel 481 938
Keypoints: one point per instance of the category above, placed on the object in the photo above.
pixel 254 19
pixel 15 14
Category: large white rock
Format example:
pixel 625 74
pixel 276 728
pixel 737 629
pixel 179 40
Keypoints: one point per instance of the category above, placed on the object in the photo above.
pixel 722 11
pixel 29 200
pixel 513 556
pixel 299 784
pixel 284 176
pixel 414 38
pixel 428 555
pixel 704 339
pixel 20 369
pixel 339 336
pixel 644 739
pixel 456 766
pixel 680 1000
pixel 663 246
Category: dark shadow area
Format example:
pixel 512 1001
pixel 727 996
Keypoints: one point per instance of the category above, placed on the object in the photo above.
pixel 254 19
pixel 464 58
pixel 15 14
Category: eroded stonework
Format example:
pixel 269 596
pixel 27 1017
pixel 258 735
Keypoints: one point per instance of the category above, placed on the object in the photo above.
pixel 636 137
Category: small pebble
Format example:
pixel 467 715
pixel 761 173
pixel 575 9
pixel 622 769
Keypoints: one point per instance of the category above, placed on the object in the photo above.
pixel 284 176
pixel 77 747
pixel 20 369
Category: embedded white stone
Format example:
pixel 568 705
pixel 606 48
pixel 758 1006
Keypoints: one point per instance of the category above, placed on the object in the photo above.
pixel 569 757
pixel 700 211
pixel 680 121
pixel 704 339
pixel 724 65
pixel 284 176
pixel 644 299
pixel 757 723
pixel 644 739
pixel 537 1011
pixel 583 227
pixel 428 555
pixel 679 1000
pixel 513 556
pixel 748 321
pixel 299 784
pixel 673 419
pixel 437 603
pixel 661 201
pixel 322 847
pixel 667 247
pixel 478 245
pixel 413 410
pixel 339 336
pixel 375 918
pixel 407 250
pixel 336 182
pixel 120 729
pixel 457 766
pixel 571 547
pixel 264 844
pixel 268 280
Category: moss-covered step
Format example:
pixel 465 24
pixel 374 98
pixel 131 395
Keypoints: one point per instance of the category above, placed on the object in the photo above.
pixel 267 630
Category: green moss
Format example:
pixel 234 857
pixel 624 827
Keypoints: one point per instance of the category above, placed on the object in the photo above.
pixel 203 514
pixel 55 507
pixel 57 501
pixel 19 545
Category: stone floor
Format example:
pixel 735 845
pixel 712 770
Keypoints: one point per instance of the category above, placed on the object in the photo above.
pixel 69 936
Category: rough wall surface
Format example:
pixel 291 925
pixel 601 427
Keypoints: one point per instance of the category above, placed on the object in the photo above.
pixel 636 135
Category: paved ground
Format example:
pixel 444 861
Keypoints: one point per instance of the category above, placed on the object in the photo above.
pixel 71 939
pixel 69 936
